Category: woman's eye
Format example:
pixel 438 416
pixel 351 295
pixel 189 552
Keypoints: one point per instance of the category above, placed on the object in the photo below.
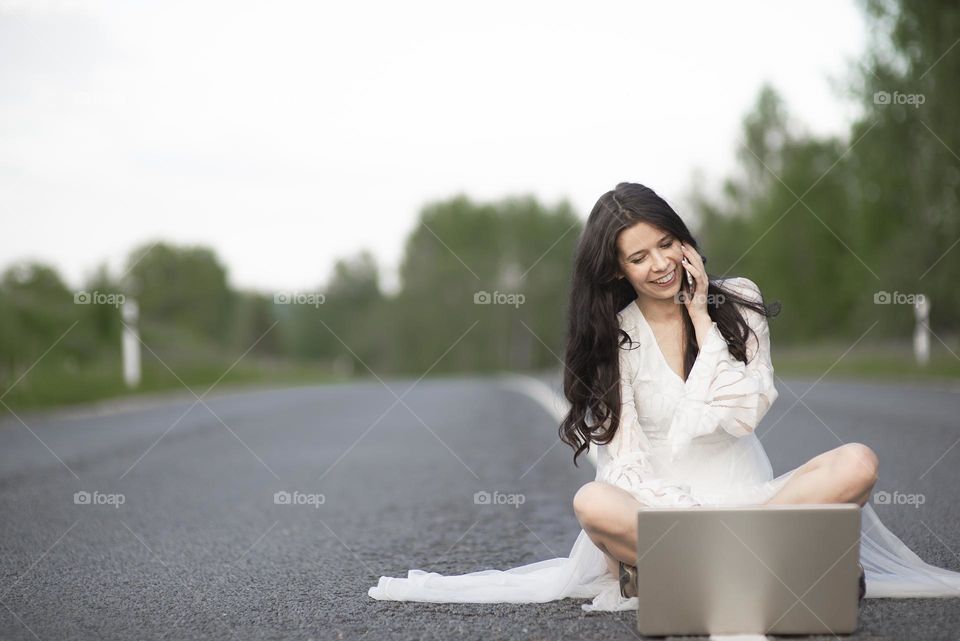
pixel 667 244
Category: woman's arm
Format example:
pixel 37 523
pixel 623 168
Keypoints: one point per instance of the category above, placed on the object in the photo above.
pixel 721 392
pixel 629 467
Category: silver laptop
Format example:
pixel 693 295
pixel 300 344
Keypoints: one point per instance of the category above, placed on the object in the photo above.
pixel 773 569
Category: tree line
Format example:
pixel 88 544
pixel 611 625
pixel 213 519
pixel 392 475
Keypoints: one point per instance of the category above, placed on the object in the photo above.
pixel 826 225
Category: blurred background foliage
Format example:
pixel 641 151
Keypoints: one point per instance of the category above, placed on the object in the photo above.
pixel 822 224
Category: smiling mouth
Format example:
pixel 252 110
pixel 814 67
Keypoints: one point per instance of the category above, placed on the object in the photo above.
pixel 666 278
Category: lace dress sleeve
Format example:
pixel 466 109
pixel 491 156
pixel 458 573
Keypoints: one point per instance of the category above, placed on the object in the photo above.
pixel 629 466
pixel 722 393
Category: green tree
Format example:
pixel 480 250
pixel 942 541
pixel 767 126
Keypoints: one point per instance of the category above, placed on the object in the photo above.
pixel 182 287
pixel 349 325
pixel 462 254
pixel 824 224
pixel 907 163
pixel 36 309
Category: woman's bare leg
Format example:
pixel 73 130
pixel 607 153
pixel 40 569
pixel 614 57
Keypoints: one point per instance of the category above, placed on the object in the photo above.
pixel 612 565
pixel 608 515
pixel 845 474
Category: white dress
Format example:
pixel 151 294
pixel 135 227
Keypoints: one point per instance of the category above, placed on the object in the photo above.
pixel 680 443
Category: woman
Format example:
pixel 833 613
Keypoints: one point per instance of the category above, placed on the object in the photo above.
pixel 668 375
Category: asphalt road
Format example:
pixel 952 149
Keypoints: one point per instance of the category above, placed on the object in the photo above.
pixel 180 537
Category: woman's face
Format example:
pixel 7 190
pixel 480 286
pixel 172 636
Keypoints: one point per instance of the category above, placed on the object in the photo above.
pixel 647 254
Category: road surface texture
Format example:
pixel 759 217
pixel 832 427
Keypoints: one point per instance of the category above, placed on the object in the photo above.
pixel 161 519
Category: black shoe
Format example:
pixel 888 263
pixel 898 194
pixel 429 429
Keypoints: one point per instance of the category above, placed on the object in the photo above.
pixel 863 585
pixel 628 581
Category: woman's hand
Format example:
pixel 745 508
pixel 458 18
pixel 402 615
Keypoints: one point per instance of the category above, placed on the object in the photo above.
pixel 697 301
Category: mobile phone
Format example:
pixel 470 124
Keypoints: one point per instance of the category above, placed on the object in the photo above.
pixel 689 275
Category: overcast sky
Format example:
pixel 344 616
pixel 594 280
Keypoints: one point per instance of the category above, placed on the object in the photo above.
pixel 285 135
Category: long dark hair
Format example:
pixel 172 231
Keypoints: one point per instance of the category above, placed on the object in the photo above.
pixel 592 369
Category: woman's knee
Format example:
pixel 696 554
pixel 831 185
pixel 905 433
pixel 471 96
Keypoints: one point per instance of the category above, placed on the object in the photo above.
pixel 587 502
pixel 597 504
pixel 858 463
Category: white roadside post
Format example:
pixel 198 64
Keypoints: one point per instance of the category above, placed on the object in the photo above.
pixel 921 332
pixel 130 344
